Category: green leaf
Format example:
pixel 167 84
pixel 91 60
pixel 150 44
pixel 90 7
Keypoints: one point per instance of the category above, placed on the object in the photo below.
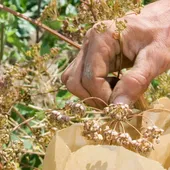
pixel 71 10
pixel 40 115
pixel 155 83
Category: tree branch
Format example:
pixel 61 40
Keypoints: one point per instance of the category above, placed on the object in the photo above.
pixel 39 24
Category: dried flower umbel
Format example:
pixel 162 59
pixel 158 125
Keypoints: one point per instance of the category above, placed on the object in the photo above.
pixel 91 12
pixel 108 129
pixel 113 132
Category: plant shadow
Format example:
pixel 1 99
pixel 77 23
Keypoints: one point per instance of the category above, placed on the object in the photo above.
pixel 98 166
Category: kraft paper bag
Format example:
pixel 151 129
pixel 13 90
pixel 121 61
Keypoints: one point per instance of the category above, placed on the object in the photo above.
pixel 69 150
pixel 74 152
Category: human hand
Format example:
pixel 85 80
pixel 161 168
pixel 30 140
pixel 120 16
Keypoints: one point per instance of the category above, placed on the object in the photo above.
pixel 146 42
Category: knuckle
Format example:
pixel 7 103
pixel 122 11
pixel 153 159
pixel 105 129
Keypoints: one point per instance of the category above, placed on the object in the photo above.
pixel 74 86
pixel 138 81
pixel 89 33
pixel 70 84
pixel 104 49
pixel 64 77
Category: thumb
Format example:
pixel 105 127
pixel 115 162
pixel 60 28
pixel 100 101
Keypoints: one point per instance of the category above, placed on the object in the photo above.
pixel 149 63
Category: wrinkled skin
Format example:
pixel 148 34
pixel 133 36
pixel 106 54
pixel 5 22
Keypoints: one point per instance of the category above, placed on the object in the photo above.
pixel 146 48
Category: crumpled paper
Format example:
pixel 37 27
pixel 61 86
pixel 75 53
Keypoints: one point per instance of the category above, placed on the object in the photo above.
pixel 69 150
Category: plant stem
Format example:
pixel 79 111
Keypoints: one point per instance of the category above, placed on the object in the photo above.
pixel 31 152
pixel 23 123
pixel 38 29
pixel 22 117
pixel 2 38
pixel 2 41
pixel 39 24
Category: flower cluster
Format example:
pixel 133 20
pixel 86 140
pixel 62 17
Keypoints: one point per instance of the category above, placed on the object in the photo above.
pixel 94 11
pixel 74 108
pixel 118 112
pixel 112 132
pixel 92 130
pixel 58 116
pixel 4 130
pixel 153 134
pixel 10 155
pixel 142 145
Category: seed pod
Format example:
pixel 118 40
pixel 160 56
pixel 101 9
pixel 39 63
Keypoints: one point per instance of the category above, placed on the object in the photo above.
pixel 118 112
pixel 75 108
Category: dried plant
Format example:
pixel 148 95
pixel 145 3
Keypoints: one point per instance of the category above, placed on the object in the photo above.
pixel 91 12
pixel 35 82
pixel 50 12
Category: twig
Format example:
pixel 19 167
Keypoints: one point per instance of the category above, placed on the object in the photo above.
pixel 35 107
pixel 115 126
pixel 121 124
pixel 96 98
pixel 39 24
pixel 2 41
pixel 96 109
pixel 2 38
pixel 38 29
pixel 14 123
pixel 102 118
pixel 22 117
pixel 25 122
pixel 134 128
pixel 31 152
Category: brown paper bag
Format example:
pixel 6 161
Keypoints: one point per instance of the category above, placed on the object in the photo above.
pixel 160 116
pixel 70 151
pixel 161 153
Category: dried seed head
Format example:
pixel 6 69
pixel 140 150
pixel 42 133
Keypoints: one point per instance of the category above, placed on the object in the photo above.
pixel 75 108
pixel 142 145
pixel 123 139
pixel 153 133
pixel 97 137
pixel 118 112
pixel 58 116
pixel 92 130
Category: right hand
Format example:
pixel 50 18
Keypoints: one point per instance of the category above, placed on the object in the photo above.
pixel 146 47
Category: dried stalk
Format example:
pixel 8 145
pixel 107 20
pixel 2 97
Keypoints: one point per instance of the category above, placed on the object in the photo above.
pixel 39 24
pixel 22 117
pixel 2 41
pixel 2 38
pixel 38 29
pixel 23 123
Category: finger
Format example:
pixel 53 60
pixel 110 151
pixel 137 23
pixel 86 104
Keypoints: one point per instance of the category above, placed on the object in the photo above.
pixel 70 70
pixel 72 76
pixel 67 71
pixel 96 67
pixel 150 62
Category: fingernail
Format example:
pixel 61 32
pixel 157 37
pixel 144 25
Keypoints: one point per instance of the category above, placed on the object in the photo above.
pixel 121 99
